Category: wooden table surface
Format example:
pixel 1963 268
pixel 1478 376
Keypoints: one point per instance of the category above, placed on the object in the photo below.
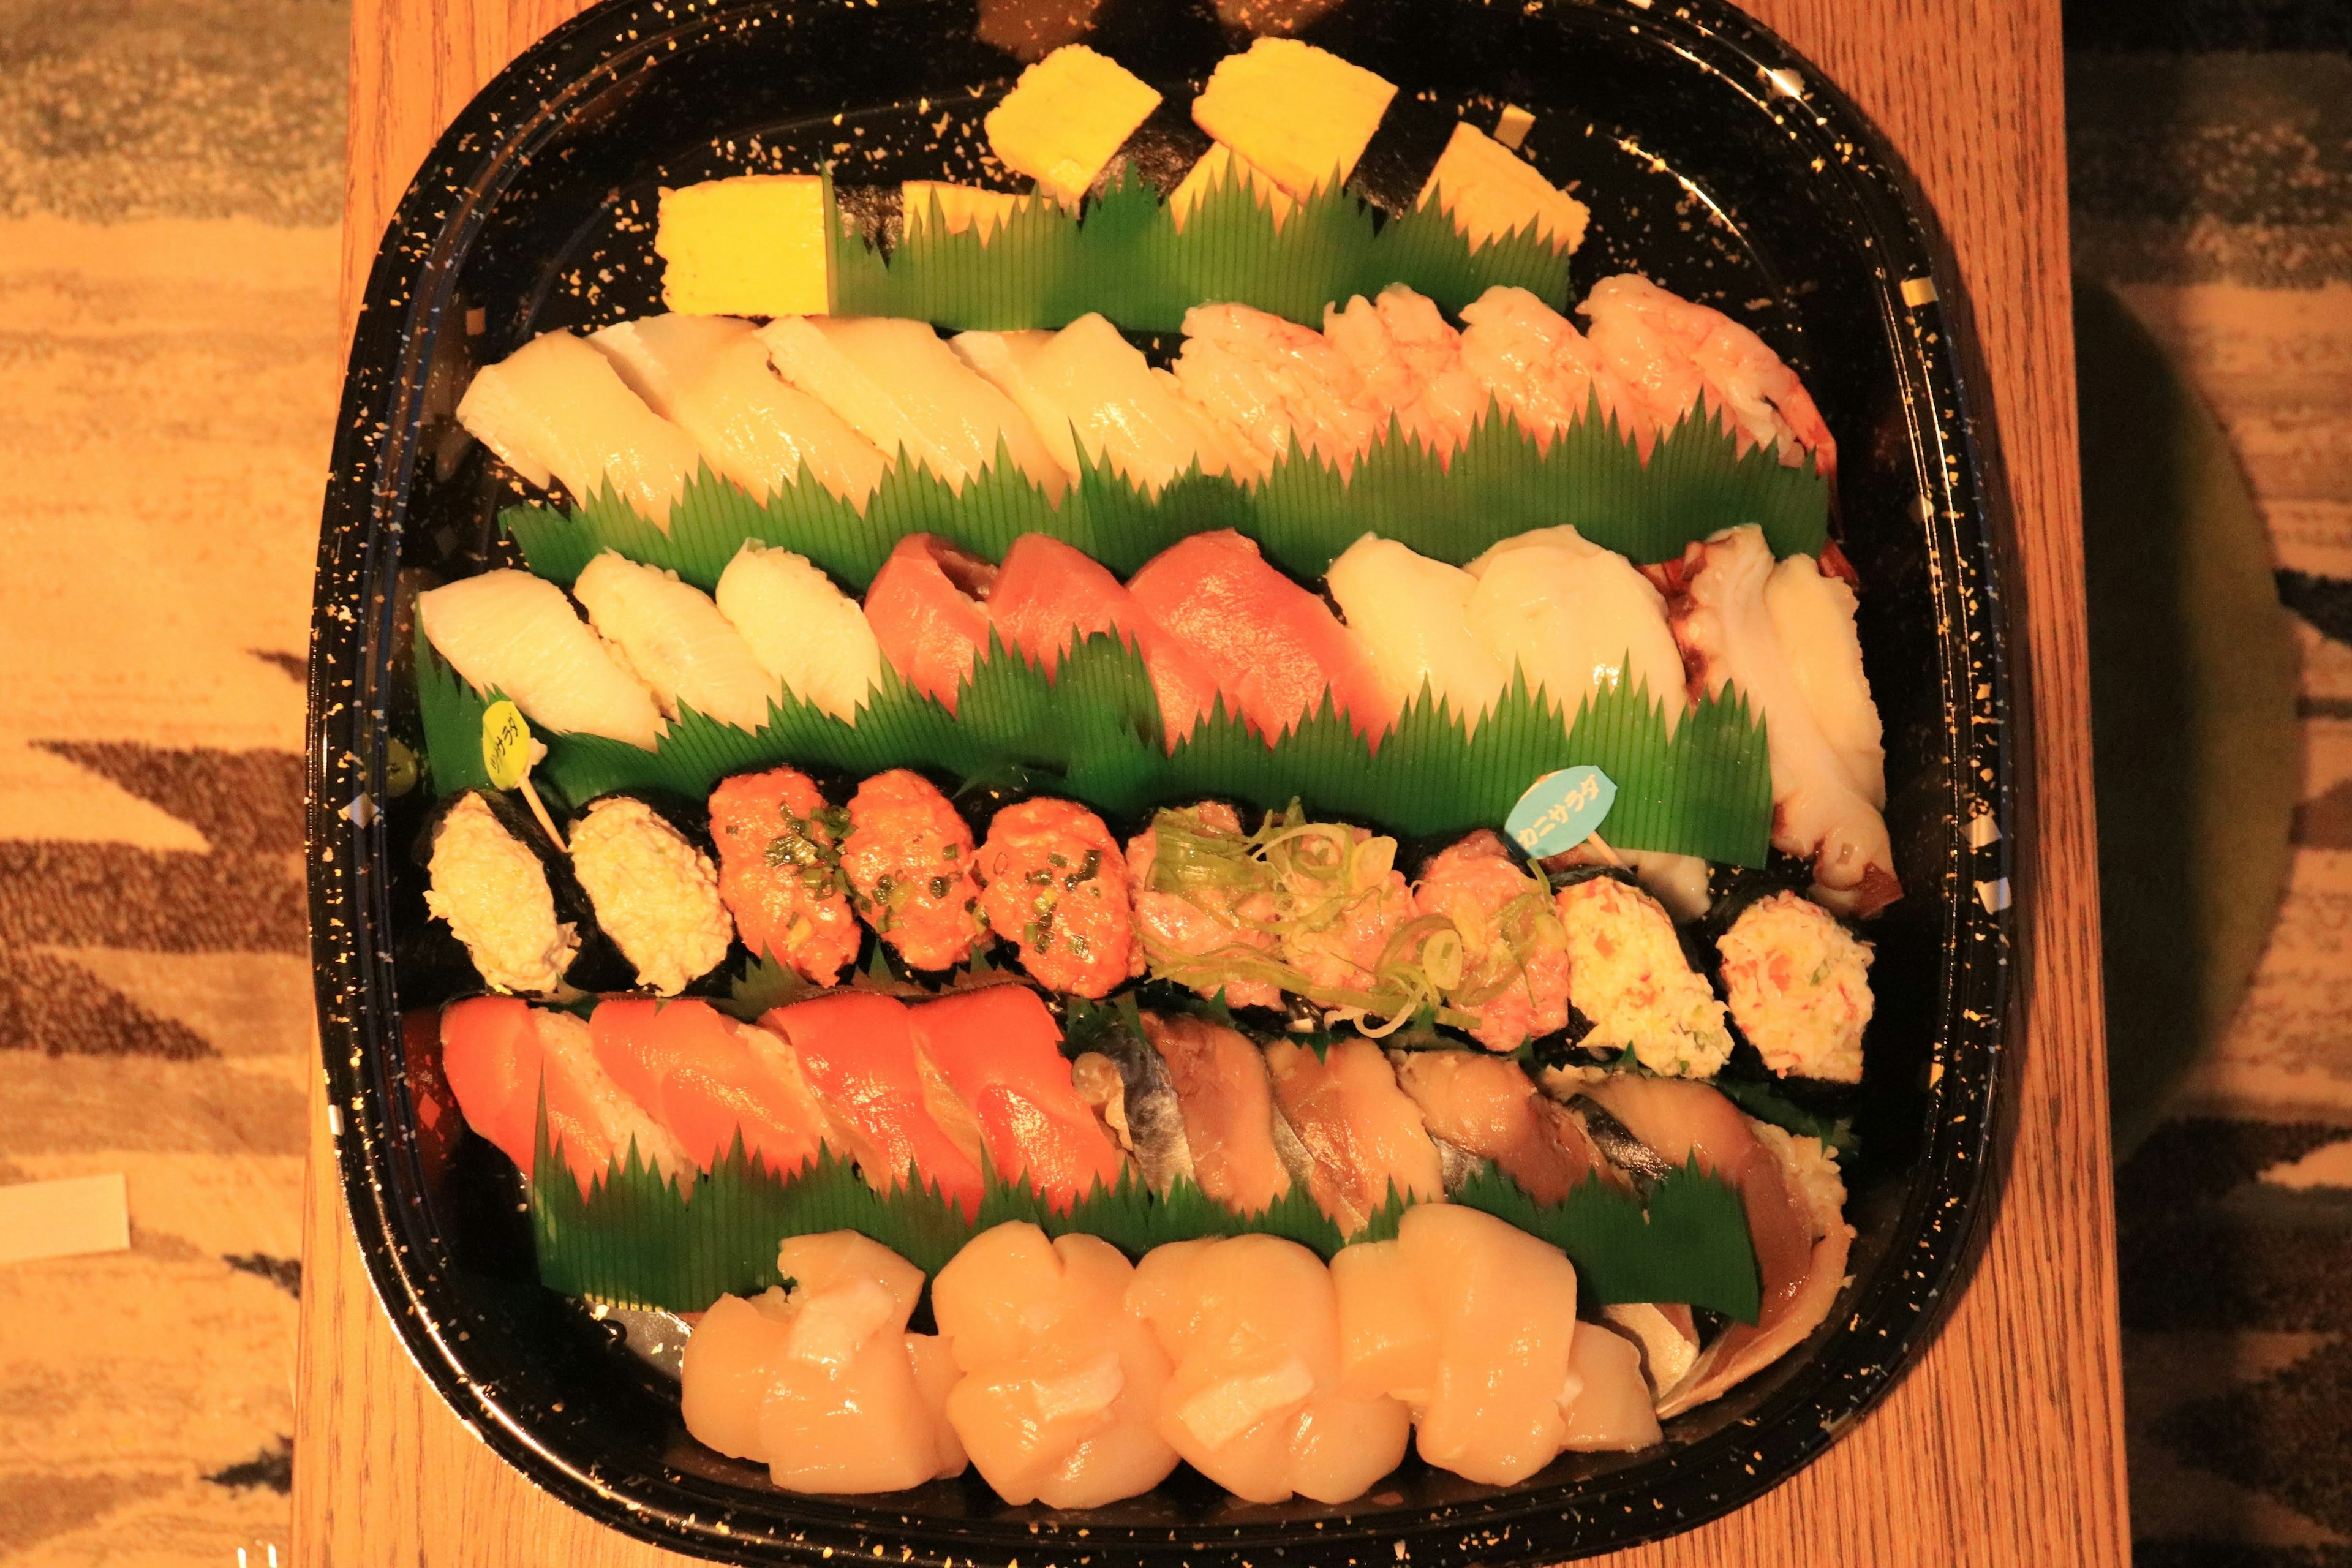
pixel 2003 1443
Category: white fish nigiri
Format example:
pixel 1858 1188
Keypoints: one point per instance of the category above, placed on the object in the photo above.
pixel 709 374
pixel 902 388
pixel 1813 614
pixel 1575 617
pixel 801 628
pixel 1411 615
pixel 555 408
pixel 1279 383
pixel 675 639
pixel 509 631
pixel 1086 385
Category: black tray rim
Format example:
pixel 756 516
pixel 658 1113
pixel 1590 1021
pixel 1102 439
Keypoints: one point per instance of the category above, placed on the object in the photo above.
pixel 1847 1367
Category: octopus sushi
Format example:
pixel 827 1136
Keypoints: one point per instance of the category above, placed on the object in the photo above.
pixel 509 632
pixel 1798 985
pixel 1627 974
pixel 1056 885
pixel 655 894
pixel 493 891
pixel 909 858
pixel 780 871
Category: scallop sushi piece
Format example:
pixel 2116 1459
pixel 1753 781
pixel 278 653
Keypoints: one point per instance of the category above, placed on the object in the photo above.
pixel 909 858
pixel 709 376
pixel 926 608
pixel 1728 637
pixel 1233 1133
pixel 1676 354
pixel 1794 1200
pixel 1061 1382
pixel 509 632
pixel 903 389
pixel 1798 985
pixel 1057 887
pixel 822 1383
pixel 556 409
pixel 857 1050
pixel 1611 1410
pixel 1626 972
pixel 1284 387
pixel 676 640
pixel 1541 371
pixel 1487 1109
pixel 1411 616
pixel 1049 595
pixel 655 894
pixel 999 1052
pixel 1364 1139
pixel 1273 647
pixel 780 871
pixel 1473 1324
pixel 1255 1400
pixel 710 1080
pixel 502 1056
pixel 803 630
pixel 493 891
pixel 1575 618
pixel 1086 387
pixel 1410 363
pixel 1514 970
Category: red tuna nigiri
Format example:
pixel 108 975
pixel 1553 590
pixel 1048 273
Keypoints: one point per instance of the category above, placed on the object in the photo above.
pixel 498 1052
pixel 707 1078
pixel 780 871
pixel 925 609
pixel 857 1049
pixel 999 1050
pixel 1274 647
pixel 1049 595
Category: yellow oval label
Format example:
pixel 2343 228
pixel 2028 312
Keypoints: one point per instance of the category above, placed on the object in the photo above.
pixel 506 744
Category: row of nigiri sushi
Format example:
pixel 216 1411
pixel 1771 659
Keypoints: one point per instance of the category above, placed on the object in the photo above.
pixel 937 1087
pixel 1314 911
pixel 641 404
pixel 1214 622
pixel 1070 1376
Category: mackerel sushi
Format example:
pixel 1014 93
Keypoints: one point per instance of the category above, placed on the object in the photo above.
pixel 1235 1135
pixel 509 632
pixel 1481 1107
pixel 492 890
pixel 779 872
pixel 676 640
pixel 803 631
pixel 655 894
pixel 1364 1139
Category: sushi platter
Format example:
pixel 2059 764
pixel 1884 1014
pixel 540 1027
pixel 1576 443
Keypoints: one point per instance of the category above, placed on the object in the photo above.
pixel 1196 792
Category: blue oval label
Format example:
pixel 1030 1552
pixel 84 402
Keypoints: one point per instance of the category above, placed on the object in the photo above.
pixel 1560 810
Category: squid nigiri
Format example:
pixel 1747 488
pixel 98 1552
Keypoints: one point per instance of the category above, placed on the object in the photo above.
pixel 674 638
pixel 926 608
pixel 1274 647
pixel 1575 618
pixel 709 376
pixel 902 388
pixel 509 631
pixel 857 1049
pixel 1047 595
pixel 803 630
pixel 555 409
pixel 999 1050
pixel 499 1056
pixel 1411 616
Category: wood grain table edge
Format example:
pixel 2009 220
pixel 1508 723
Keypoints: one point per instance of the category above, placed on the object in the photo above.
pixel 2003 1443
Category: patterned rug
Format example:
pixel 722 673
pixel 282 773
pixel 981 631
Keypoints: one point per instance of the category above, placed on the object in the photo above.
pixel 170 183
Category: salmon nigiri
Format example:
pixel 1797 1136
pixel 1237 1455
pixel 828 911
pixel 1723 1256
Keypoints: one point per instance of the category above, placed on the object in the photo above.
pixel 858 1050
pixel 924 607
pixel 708 1078
pixel 499 1054
pixel 1049 595
pixel 1000 1051
pixel 1274 647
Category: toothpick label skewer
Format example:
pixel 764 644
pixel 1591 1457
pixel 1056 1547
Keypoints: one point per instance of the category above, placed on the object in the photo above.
pixel 508 753
pixel 1560 810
